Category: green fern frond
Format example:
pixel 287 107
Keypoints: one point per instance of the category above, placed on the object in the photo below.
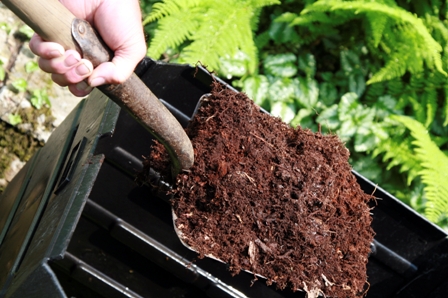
pixel 434 171
pixel 394 67
pixel 429 99
pixel 377 23
pixel 209 29
pixel 312 26
pixel 260 3
pixel 417 106
pixel 422 97
pixel 374 91
pixel 395 87
pixel 169 7
pixel 223 35
pixel 387 24
pixel 445 107
pixel 397 152
pixel 318 17
pixel 172 31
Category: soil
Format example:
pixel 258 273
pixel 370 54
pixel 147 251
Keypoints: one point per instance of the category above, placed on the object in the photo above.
pixel 277 201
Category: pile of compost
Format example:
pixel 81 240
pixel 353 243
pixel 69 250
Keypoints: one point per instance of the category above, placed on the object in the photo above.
pixel 277 201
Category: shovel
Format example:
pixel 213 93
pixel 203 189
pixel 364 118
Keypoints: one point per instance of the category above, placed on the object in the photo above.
pixel 54 22
pixel 61 26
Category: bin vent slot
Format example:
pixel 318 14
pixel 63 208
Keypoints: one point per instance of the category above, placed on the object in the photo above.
pixel 70 165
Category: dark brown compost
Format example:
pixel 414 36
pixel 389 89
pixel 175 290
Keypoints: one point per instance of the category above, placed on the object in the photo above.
pixel 277 201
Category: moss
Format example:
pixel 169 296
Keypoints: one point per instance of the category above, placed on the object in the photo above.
pixel 13 144
pixel 16 143
pixel 30 115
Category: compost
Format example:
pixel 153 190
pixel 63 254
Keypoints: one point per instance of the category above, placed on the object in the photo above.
pixel 267 198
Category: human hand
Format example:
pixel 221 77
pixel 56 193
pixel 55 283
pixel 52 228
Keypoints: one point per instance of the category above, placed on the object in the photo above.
pixel 119 25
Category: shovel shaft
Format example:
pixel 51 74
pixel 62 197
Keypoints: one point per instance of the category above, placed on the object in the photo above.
pixel 54 22
pixel 49 18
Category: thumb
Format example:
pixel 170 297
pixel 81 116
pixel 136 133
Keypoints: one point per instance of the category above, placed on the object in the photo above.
pixel 110 73
pixel 116 71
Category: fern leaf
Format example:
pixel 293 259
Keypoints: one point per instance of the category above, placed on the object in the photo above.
pixel 395 86
pixel 223 35
pixel 169 7
pixel 397 152
pixel 261 3
pixel 434 171
pixel 172 31
pixel 394 67
pixel 210 29
pixel 430 100
pixel 377 23
pixel 445 107
pixel 318 17
pixel 438 26
pixel 421 46
pixel 419 109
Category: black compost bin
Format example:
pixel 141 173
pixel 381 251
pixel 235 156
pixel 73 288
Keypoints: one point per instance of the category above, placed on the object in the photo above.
pixel 73 222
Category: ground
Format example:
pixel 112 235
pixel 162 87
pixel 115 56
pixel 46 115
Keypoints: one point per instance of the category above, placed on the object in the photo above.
pixel 19 141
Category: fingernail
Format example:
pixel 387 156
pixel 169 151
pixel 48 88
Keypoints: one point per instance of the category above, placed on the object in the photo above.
pixel 97 82
pixel 82 86
pixel 82 69
pixel 55 54
pixel 70 61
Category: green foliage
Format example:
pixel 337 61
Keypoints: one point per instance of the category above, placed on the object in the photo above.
pixel 279 89
pixel 396 152
pixel 14 119
pixel 39 97
pixel 206 29
pixel 146 6
pixel 20 85
pixel 434 172
pixel 31 66
pixel 400 34
pixel 26 31
pixel 2 71
pixel 282 65
pixel 5 26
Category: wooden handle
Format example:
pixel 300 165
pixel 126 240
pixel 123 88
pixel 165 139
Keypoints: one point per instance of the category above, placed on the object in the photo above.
pixel 48 18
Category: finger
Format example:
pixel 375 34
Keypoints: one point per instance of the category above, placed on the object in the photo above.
pixel 61 64
pixel 74 75
pixel 45 49
pixel 81 89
